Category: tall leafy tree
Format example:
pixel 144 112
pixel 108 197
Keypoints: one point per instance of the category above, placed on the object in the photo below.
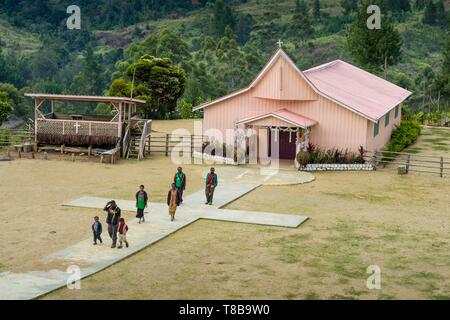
pixel 399 6
pixel 429 16
pixel 316 10
pixel 16 98
pixel 301 27
pixel 373 49
pixel 5 107
pixel 349 6
pixel 223 16
pixel 442 82
pixel 441 19
pixel 156 80
pixel 91 79
pixel 419 4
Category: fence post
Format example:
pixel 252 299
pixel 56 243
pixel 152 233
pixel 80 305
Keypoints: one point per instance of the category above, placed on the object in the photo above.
pixel 167 144
pixel 192 145
pixel 408 159
pixel 442 167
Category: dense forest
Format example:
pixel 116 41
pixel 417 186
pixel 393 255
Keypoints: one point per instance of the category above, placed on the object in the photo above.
pixel 183 52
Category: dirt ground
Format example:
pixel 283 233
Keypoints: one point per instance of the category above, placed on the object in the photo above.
pixel 358 219
pixel 169 126
pixel 33 191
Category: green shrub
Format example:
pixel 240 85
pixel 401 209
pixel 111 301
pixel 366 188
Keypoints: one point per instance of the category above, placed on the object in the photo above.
pixel 404 135
pixel 5 138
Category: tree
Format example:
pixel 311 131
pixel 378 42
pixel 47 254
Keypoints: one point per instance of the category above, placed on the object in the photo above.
pixel 373 49
pixel 429 16
pixel 5 107
pixel 442 83
pixel 91 79
pixel 165 44
pixel 157 80
pixel 441 19
pixel 419 4
pixel 301 24
pixel 16 98
pixel 349 6
pixel 316 10
pixel 223 16
pixel 399 6
pixel 244 25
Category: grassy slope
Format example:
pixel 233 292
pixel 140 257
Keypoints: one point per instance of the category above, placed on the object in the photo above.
pixel 422 43
pixel 17 39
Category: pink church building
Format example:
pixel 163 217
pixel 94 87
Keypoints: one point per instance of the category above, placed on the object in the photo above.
pixel 334 105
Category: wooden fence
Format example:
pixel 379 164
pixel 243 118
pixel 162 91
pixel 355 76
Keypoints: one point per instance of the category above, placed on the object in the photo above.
pixel 411 162
pixel 11 137
pixel 166 143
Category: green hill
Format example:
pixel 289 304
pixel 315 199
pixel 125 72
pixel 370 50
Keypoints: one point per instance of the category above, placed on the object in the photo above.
pixel 44 56
pixel 16 39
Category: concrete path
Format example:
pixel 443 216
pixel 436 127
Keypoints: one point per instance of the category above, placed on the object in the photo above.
pixel 92 259
pixel 263 175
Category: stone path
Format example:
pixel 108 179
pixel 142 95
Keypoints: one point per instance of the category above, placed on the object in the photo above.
pixel 92 259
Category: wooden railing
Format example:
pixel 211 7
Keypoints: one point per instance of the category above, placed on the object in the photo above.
pixel 10 137
pixel 438 165
pixel 166 143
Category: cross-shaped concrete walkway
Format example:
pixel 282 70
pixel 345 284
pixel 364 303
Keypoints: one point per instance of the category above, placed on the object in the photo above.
pixel 92 259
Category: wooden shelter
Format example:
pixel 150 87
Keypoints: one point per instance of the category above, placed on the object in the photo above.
pixel 123 130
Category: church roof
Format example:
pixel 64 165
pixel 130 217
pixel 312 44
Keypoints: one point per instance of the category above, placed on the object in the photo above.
pixel 356 88
pixel 348 86
pixel 285 115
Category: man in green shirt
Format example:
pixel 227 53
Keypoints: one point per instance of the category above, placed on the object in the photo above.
pixel 180 181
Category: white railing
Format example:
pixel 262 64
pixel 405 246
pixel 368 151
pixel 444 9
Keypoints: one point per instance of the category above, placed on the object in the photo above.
pixel 76 127
pixel 146 131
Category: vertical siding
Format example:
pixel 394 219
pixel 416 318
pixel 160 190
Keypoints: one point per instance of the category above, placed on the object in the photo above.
pixel 384 134
pixel 282 87
pixel 282 82
pixel 337 127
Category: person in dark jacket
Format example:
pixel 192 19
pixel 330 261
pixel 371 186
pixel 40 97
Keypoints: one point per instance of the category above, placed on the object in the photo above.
pixel 211 182
pixel 173 201
pixel 97 230
pixel 141 203
pixel 180 181
pixel 112 220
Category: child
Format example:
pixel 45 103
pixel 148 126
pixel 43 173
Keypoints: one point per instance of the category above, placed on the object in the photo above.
pixel 141 203
pixel 123 228
pixel 97 230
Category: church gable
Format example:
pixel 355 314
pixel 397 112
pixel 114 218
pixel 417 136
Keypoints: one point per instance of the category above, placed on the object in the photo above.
pixel 281 81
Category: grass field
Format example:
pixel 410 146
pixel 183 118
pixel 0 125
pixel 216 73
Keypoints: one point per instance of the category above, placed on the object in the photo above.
pixel 18 40
pixel 400 223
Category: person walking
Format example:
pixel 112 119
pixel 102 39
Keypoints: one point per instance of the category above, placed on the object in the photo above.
pixel 211 182
pixel 112 220
pixel 123 229
pixel 173 201
pixel 180 182
pixel 97 230
pixel 141 203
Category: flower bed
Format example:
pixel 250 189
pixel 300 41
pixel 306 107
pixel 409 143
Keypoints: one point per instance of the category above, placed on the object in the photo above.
pixel 337 167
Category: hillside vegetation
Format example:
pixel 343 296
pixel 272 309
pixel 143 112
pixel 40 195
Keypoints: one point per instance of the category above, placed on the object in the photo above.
pixel 221 45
